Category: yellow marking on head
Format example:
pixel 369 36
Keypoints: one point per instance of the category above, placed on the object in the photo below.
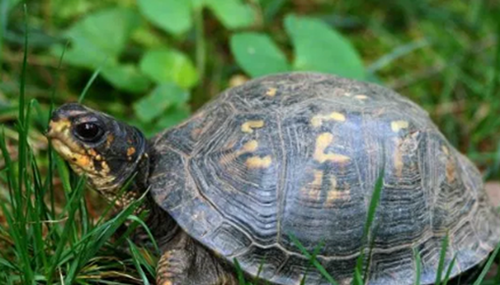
pixel 167 283
pixel 109 139
pixel 361 97
pixel 248 127
pixel 130 151
pixel 58 127
pixel 322 142
pixel 317 120
pixel 396 126
pixel 271 92
pixel 259 162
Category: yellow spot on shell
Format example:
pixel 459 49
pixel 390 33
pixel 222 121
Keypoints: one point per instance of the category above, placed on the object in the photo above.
pixel 398 160
pixel 361 97
pixel 334 194
pixel 248 127
pixel 317 120
pixel 318 178
pixel 250 146
pixel 313 190
pixel 322 142
pixel 396 126
pixel 445 150
pixel 259 162
pixel 271 92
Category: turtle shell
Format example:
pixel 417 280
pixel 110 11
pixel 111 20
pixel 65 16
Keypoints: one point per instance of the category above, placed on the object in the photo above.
pixel 298 155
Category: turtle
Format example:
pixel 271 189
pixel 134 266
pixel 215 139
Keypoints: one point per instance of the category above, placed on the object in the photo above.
pixel 283 166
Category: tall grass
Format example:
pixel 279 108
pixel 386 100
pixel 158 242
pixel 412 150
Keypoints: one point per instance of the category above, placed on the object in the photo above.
pixel 42 242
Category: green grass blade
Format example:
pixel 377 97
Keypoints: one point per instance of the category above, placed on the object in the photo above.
pixel 239 272
pixel 138 261
pixel 379 185
pixel 418 266
pixel 488 265
pixel 448 272
pixel 442 259
pixel 91 81
pixel 313 260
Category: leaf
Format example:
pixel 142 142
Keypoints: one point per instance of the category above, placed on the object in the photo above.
pixel 160 99
pixel 232 13
pixel 126 77
pixel 257 54
pixel 99 35
pixel 320 48
pixel 10 4
pixel 169 65
pixel 173 117
pixel 174 16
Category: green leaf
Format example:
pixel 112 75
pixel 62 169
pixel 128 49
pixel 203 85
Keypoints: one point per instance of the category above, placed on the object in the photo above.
pixel 169 65
pixel 11 4
pixel 173 117
pixel 174 16
pixel 257 54
pixel 126 77
pixel 159 100
pixel 99 35
pixel 320 48
pixel 232 13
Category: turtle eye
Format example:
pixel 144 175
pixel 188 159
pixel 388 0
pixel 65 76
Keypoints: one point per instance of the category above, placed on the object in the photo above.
pixel 88 132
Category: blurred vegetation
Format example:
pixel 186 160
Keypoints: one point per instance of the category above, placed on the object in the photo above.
pixel 156 61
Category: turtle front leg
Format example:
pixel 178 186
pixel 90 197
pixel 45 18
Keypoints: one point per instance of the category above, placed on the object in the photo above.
pixel 186 262
pixel 173 267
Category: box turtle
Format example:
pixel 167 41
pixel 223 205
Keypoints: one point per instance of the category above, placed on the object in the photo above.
pixel 291 155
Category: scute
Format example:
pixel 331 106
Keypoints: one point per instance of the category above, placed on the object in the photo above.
pixel 299 154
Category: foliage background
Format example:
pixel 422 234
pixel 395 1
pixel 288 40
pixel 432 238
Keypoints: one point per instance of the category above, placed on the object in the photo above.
pixel 157 61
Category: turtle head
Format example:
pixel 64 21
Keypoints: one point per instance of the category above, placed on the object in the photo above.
pixel 107 151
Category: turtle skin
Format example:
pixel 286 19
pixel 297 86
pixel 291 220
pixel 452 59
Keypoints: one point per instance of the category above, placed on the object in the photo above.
pixel 298 155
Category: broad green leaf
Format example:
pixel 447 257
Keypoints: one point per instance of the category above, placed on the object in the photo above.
pixel 64 9
pixel 173 117
pixel 10 4
pixel 165 65
pixel 99 35
pixel 233 14
pixel 257 54
pixel 126 77
pixel 320 48
pixel 174 16
pixel 164 96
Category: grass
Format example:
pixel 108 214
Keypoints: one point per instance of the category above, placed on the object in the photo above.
pixel 445 56
pixel 44 243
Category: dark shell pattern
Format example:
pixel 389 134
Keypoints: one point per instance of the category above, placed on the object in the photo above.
pixel 299 154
